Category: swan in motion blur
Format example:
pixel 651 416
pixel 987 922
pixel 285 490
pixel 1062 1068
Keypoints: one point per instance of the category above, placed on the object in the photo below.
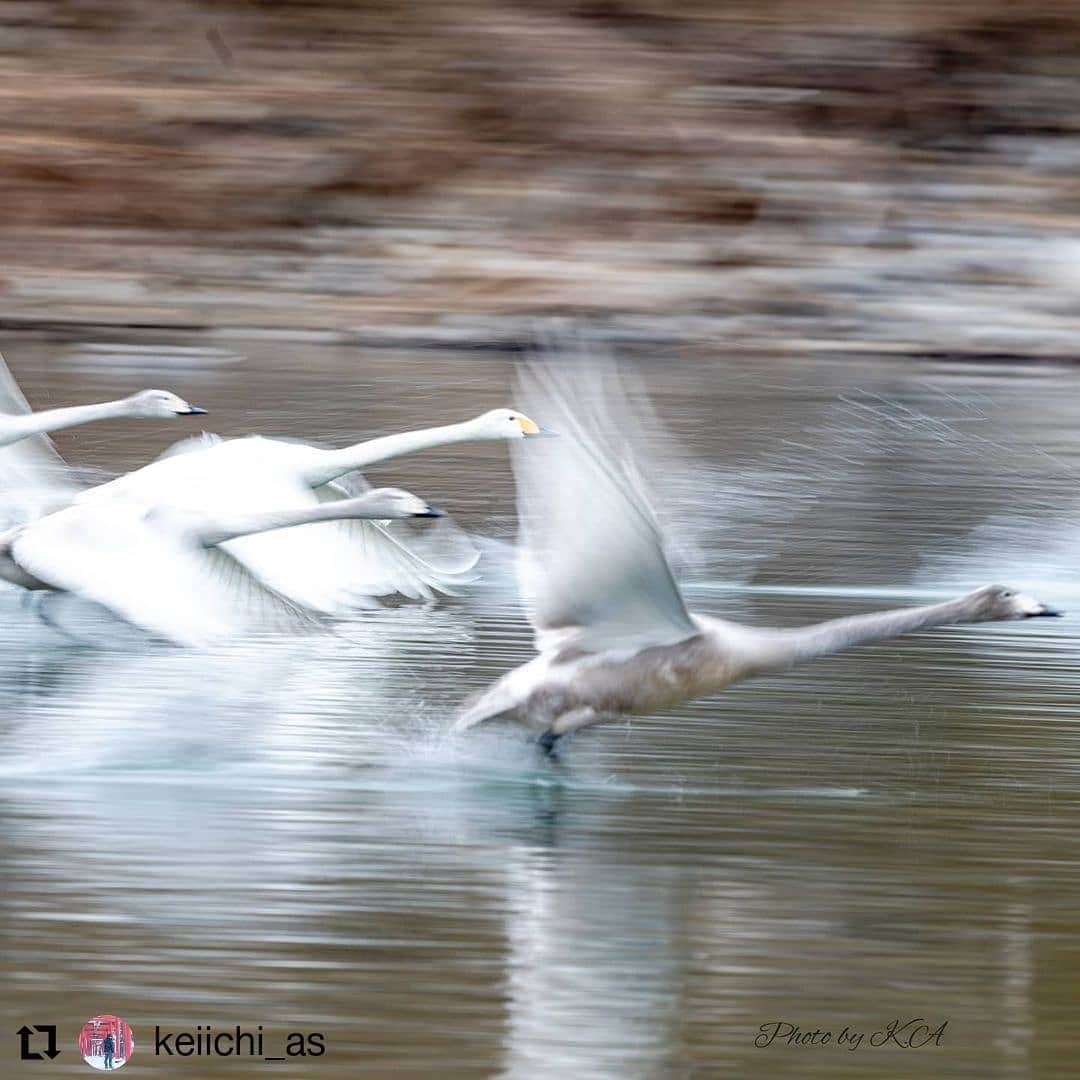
pixel 334 568
pixel 612 631
pixel 33 476
pixel 157 566
pixel 145 405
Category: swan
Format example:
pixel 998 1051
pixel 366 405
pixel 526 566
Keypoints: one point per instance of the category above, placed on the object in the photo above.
pixel 612 631
pixel 332 569
pixel 154 565
pixel 30 467
pixel 145 405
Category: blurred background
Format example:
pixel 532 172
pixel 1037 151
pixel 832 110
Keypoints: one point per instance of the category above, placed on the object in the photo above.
pixel 787 174
pixel 841 243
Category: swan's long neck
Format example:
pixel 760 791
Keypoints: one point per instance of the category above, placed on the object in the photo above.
pixel 14 428
pixel 773 650
pixel 330 464
pixel 221 528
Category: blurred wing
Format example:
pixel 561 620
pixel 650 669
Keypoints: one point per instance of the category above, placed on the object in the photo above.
pixel 330 568
pixel 116 554
pixel 33 476
pixel 337 567
pixel 255 607
pixel 592 566
pixel 196 470
pixel 202 441
pixel 414 560
pixel 110 554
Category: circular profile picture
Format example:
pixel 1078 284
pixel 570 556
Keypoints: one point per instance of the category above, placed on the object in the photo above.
pixel 106 1042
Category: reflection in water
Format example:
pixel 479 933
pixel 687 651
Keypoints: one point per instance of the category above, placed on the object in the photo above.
pixel 281 832
pixel 595 968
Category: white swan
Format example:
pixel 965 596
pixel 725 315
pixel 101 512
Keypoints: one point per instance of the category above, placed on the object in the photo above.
pixel 612 630
pixel 332 568
pixel 31 471
pixel 145 405
pixel 155 566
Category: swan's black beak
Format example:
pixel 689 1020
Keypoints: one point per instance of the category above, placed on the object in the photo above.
pixel 194 410
pixel 431 512
pixel 1046 613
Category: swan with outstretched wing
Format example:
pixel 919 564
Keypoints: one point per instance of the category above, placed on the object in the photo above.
pixel 330 569
pixel 33 476
pixel 158 567
pixel 612 631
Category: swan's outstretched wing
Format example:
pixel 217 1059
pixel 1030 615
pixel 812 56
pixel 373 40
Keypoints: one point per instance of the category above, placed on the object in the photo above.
pixel 592 567
pixel 203 441
pixel 254 607
pixel 414 560
pixel 125 557
pixel 330 568
pixel 337 567
pixel 33 475
pixel 203 464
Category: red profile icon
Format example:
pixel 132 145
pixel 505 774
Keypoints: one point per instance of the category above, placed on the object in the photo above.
pixel 106 1042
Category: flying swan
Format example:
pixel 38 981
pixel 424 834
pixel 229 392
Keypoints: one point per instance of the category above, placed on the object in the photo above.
pixel 333 568
pixel 613 634
pixel 30 468
pixel 145 405
pixel 155 566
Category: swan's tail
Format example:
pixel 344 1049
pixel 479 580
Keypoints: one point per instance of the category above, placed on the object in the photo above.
pixel 503 700
pixel 481 711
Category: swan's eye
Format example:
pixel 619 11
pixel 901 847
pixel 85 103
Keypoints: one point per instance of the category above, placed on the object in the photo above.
pixel 512 418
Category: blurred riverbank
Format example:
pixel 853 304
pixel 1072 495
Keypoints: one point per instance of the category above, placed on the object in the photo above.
pixel 892 177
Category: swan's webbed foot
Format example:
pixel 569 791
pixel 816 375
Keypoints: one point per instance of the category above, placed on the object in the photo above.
pixel 548 742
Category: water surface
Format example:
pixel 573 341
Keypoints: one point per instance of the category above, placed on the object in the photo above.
pixel 281 832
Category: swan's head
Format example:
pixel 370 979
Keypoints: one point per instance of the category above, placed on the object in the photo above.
pixel 505 424
pixel 383 503
pixel 994 602
pixel 156 404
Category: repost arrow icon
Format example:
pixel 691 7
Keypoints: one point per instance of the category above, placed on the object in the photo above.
pixel 25 1033
pixel 25 1053
pixel 50 1030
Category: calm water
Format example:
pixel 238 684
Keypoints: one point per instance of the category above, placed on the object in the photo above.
pixel 281 832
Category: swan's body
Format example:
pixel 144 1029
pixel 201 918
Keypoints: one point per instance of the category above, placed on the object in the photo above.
pixel 157 566
pixel 559 692
pixel 331 568
pixel 613 633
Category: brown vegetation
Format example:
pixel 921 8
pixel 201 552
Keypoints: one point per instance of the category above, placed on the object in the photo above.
pixel 784 171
